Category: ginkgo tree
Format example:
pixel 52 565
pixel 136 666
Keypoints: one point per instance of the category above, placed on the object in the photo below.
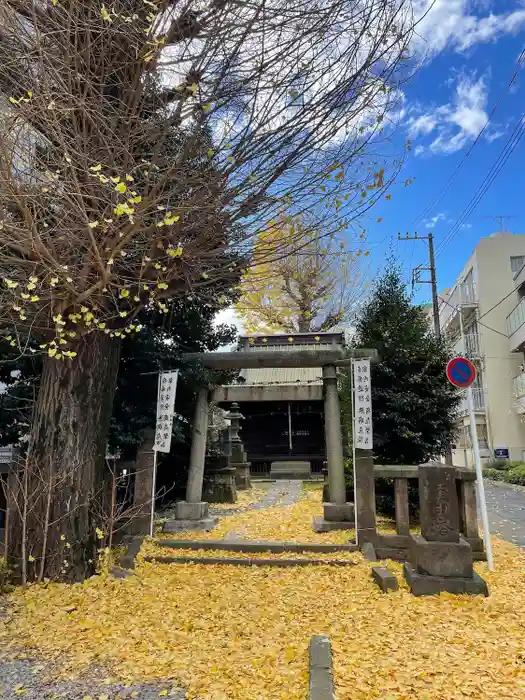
pixel 303 281
pixel 143 145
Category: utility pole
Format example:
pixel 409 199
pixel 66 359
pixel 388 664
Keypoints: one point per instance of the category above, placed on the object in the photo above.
pixel 429 238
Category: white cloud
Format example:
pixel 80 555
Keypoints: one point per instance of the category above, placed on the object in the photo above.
pixel 455 124
pixel 423 124
pixel 434 220
pixel 453 24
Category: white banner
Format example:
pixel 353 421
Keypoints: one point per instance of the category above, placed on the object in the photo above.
pixel 165 409
pixel 362 405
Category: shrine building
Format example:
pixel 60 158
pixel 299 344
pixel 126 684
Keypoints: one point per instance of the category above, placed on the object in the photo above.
pixel 283 425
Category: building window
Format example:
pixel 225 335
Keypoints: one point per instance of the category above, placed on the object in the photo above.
pixel 516 263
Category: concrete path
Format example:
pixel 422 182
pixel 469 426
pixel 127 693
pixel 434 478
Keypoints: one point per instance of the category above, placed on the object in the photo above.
pixel 506 511
pixel 282 493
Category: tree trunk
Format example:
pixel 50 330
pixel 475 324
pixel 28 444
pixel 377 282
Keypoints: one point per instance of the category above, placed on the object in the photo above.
pixel 63 489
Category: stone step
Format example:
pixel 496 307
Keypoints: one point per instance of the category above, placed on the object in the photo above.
pixel 255 546
pixel 232 561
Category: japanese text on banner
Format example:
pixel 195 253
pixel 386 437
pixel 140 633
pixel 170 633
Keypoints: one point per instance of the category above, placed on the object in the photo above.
pixel 362 405
pixel 165 410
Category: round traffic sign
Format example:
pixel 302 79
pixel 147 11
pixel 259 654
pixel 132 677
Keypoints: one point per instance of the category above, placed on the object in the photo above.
pixel 461 372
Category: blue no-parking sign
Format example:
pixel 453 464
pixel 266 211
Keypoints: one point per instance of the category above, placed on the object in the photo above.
pixel 461 372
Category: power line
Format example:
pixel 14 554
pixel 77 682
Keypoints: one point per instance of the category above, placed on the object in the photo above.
pixel 481 324
pixel 451 179
pixel 496 168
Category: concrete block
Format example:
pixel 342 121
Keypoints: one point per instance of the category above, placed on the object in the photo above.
pixel 337 512
pixel 384 578
pixel 319 524
pixel 191 511
pixel 321 686
pixel 177 525
pixel 447 559
pixel 433 585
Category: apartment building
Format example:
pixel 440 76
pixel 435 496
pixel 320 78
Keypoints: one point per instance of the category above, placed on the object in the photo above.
pixel 487 303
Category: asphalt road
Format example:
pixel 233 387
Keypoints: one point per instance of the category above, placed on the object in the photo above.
pixel 506 511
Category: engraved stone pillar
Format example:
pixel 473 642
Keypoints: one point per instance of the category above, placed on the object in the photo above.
pixel 440 559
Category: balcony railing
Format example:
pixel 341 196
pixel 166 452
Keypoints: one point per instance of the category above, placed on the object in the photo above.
pixel 472 347
pixel 516 318
pixel 518 390
pixel 518 385
pixel 463 294
pixel 478 399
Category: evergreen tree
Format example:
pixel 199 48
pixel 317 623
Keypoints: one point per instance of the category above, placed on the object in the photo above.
pixel 413 403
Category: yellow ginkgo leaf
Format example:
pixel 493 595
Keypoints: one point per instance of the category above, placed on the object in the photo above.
pixel 121 187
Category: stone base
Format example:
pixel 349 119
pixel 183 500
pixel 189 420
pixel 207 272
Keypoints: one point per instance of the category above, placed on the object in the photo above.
pixel 319 524
pixel 447 559
pixel 433 585
pixel 290 470
pixel 242 476
pixel 191 511
pixel 478 547
pixel 338 512
pixel 177 525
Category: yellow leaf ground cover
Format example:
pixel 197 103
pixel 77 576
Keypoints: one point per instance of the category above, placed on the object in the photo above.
pixel 288 524
pixel 244 498
pixel 235 633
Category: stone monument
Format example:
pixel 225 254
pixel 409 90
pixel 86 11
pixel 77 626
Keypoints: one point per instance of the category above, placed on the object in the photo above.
pixel 238 458
pixel 440 559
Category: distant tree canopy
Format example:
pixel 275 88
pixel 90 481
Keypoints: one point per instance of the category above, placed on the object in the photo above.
pixel 303 282
pixel 413 404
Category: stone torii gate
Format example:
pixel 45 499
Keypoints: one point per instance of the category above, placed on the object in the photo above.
pixel 192 514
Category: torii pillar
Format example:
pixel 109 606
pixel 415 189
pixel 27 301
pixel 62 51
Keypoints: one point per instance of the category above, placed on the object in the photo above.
pixel 337 513
pixel 192 514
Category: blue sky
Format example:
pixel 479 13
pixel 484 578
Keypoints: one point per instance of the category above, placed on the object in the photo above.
pixel 472 51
